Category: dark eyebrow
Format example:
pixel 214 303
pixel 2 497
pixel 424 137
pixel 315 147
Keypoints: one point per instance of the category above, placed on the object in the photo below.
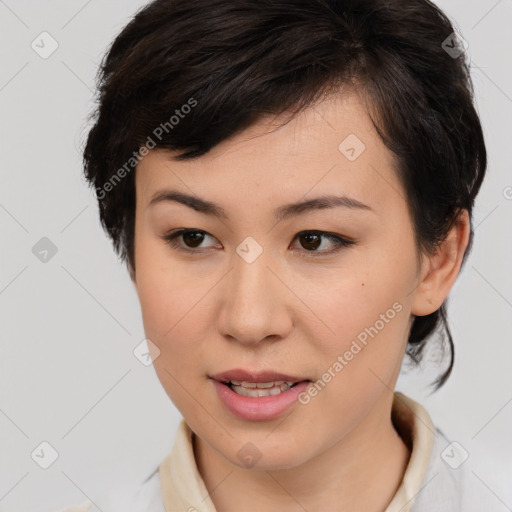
pixel 319 203
pixel 281 213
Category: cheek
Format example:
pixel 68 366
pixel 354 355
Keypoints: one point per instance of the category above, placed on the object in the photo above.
pixel 372 294
pixel 362 360
pixel 164 290
pixel 172 313
pixel 368 310
pixel 173 305
pixel 366 350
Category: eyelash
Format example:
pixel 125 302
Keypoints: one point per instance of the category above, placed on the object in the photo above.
pixel 339 241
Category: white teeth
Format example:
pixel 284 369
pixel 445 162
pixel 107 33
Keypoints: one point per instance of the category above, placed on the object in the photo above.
pixel 261 385
pixel 256 390
pixel 264 385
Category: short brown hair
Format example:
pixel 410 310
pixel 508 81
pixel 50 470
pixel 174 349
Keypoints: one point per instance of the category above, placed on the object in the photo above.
pixel 231 61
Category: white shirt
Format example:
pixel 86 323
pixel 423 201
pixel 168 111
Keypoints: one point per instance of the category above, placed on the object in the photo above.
pixel 435 480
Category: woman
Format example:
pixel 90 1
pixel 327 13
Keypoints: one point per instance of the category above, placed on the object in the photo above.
pixel 291 185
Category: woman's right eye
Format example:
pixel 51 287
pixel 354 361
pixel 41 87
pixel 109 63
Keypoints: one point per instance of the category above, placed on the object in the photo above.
pixel 191 237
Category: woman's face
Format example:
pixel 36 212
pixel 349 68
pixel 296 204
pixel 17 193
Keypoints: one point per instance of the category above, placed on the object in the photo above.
pixel 250 291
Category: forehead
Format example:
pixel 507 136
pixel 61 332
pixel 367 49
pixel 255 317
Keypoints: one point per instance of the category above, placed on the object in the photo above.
pixel 331 147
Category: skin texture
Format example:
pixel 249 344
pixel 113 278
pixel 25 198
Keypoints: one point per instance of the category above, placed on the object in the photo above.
pixel 293 310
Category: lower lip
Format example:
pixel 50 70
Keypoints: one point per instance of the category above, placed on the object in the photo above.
pixel 259 408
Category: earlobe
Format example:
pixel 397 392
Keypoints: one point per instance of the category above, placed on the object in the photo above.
pixel 440 269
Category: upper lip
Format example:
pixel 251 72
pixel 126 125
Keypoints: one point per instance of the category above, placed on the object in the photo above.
pixel 255 376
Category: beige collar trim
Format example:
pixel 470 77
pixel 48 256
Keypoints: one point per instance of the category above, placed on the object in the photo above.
pixel 415 427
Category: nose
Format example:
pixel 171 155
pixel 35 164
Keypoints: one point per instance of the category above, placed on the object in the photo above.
pixel 255 304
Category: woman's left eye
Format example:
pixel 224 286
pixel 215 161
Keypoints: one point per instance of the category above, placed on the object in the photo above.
pixel 311 241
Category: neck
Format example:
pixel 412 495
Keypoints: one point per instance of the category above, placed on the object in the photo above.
pixel 371 456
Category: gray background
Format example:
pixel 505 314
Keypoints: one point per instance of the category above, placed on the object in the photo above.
pixel 69 326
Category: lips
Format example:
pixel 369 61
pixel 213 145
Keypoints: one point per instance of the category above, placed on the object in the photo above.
pixel 261 408
pixel 242 375
pixel 243 394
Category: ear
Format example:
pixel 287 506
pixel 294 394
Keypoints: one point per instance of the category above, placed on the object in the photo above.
pixel 440 270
